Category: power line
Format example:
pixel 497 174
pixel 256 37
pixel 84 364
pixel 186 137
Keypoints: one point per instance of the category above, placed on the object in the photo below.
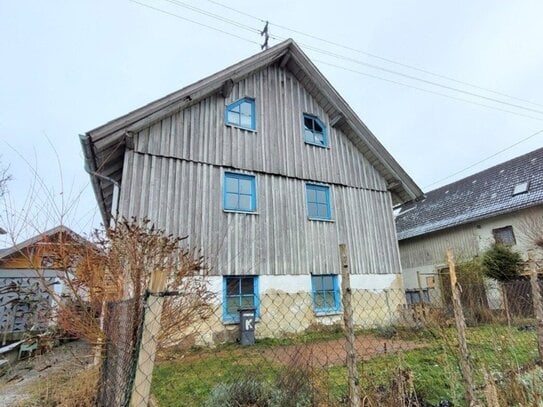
pixel 194 22
pixel 389 60
pixel 332 54
pixel 213 15
pixel 487 158
pixel 426 90
pixel 326 63
pixel 343 57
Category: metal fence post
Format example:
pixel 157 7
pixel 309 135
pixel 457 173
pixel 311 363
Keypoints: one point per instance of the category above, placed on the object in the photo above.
pixel 141 389
pixel 346 295
pixel 461 329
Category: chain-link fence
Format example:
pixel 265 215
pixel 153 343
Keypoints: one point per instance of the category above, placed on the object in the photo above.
pixel 122 328
pixel 313 348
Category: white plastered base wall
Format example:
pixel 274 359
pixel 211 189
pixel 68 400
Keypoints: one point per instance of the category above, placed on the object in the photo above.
pixel 286 306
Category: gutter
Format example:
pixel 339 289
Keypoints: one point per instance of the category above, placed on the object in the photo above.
pixel 92 170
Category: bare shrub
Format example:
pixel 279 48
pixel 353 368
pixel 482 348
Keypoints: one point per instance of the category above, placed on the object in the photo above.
pixel 119 267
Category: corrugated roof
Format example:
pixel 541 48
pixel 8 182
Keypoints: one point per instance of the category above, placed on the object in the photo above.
pixel 479 196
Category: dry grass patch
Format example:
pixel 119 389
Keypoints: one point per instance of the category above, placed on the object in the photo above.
pixel 64 389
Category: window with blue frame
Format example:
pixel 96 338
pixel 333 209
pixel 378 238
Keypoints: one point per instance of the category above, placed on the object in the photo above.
pixel 241 113
pixel 315 131
pixel 239 292
pixel 325 293
pixel 318 202
pixel 239 192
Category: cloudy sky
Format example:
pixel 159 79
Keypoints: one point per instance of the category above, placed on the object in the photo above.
pixel 70 66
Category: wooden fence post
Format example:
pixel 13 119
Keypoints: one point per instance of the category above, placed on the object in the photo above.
pixel 506 304
pixel 461 329
pixel 346 296
pixel 538 306
pixel 151 326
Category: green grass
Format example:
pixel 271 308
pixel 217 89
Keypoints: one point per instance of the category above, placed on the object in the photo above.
pixel 188 381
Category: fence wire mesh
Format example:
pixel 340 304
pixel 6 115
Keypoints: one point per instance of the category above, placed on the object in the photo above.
pixel 122 330
pixel 406 349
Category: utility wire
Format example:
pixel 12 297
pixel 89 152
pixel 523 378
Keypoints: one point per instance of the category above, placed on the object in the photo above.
pixel 213 15
pixel 356 61
pixel 379 78
pixel 426 90
pixel 487 158
pixel 327 63
pixel 194 22
pixel 389 60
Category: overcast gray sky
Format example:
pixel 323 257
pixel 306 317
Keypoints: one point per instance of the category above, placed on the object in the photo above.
pixel 69 66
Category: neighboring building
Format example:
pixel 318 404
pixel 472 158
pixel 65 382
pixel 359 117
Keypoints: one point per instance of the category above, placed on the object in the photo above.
pixel 267 170
pixel 29 274
pixel 496 205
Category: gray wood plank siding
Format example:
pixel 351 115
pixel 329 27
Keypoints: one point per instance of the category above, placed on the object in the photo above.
pixel 174 177
pixel 198 133
pixel 432 248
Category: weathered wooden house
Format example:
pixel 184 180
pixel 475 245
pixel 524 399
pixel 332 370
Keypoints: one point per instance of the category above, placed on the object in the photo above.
pixel 29 275
pixel 498 205
pixel 266 169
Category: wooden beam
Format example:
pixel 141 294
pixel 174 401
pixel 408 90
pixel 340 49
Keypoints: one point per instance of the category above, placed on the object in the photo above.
pixel 335 120
pixel 141 389
pixel 346 296
pixel 226 88
pixel 467 375
pixel 284 60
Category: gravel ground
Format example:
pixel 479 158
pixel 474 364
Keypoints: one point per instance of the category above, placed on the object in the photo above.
pixel 72 356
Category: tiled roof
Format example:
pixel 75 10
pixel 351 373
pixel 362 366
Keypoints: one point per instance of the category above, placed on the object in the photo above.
pixel 479 196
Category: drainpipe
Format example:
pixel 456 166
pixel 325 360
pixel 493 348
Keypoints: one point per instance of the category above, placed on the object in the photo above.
pixel 90 168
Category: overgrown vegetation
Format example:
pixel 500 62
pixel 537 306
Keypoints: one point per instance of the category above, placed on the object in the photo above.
pixel 502 263
pixel 64 389
pixel 429 374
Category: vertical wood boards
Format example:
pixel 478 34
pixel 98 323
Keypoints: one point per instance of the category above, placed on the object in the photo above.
pixel 174 177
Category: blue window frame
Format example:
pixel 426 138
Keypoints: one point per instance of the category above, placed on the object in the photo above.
pixel 239 292
pixel 325 293
pixel 239 192
pixel 241 113
pixel 315 131
pixel 318 202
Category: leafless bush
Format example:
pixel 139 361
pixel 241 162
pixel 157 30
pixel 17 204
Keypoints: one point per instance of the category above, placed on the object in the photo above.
pixel 531 228
pixel 118 267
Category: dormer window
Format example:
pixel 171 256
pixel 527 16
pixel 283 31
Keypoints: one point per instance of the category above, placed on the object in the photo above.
pixel 241 114
pixel 520 188
pixel 315 131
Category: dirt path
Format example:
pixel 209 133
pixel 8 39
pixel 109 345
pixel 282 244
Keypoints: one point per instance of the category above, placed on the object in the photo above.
pixel 72 356
pixel 333 353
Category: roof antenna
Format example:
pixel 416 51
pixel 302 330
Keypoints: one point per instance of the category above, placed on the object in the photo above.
pixel 266 35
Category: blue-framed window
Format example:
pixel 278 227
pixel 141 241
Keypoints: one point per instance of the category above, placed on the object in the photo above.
pixel 239 192
pixel 239 292
pixel 318 202
pixel 325 293
pixel 315 131
pixel 241 113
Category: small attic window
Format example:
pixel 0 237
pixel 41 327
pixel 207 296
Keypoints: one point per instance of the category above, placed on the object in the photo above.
pixel 520 188
pixel 314 131
pixel 241 114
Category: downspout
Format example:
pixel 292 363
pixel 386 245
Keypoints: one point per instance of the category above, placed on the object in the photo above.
pixel 90 168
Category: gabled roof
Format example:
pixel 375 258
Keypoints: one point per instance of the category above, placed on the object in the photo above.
pixel 103 147
pixel 38 238
pixel 483 195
